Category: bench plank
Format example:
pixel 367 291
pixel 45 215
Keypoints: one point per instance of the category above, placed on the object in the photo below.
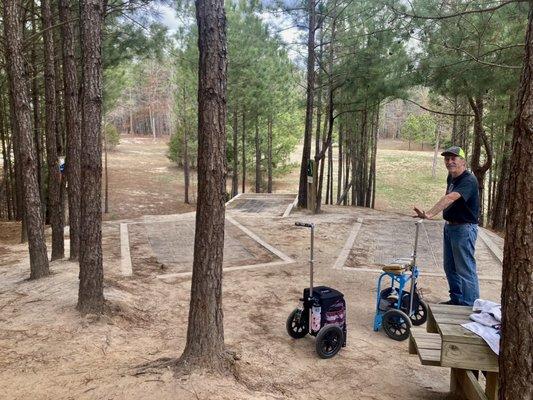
pixel 426 345
pixel 468 356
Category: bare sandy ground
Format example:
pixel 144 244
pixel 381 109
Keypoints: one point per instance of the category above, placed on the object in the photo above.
pixel 48 351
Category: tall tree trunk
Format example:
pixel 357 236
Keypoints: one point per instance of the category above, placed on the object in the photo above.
pixel 480 138
pixel 186 162
pixel 319 90
pixel 54 175
pixel 235 172
pixel 6 158
pixel 10 168
pixel 516 369
pixel 501 200
pixel 37 111
pixel 269 155
pixel 435 152
pixel 243 151
pixel 18 188
pixel 257 158
pixel 374 158
pixel 306 153
pixel 455 132
pixel 106 196
pixel 205 333
pixel 329 176
pixel 72 123
pixel 186 172
pixel 91 293
pixel 340 165
pixel 348 181
pixel 326 144
pixel 151 118
pixel 21 106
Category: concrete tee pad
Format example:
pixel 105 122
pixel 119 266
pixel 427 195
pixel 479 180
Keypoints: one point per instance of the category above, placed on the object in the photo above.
pixel 380 241
pixel 165 247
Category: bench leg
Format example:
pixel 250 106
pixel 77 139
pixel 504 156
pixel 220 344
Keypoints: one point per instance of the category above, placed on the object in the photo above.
pixel 431 324
pixel 455 383
pixel 491 387
pixel 412 345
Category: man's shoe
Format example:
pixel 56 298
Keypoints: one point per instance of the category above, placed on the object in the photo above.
pixel 449 302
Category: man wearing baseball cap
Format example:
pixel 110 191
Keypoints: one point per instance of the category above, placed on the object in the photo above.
pixel 460 207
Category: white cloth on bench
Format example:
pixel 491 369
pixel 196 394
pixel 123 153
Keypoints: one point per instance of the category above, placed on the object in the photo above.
pixel 487 322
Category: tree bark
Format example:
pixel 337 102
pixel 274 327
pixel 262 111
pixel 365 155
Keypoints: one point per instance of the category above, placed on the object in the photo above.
pixel 91 294
pixel 205 333
pixel 235 172
pixel 21 106
pixel 340 165
pixel 106 198
pixel 72 123
pixel 54 175
pixel 306 153
pixel 186 161
pixel 480 138
pixel 374 159
pixel 269 155
pixel 257 158
pixel 6 158
pixel 37 113
pixel 516 368
pixel 243 151
pixel 501 200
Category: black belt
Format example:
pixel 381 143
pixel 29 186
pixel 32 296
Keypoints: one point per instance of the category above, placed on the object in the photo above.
pixel 456 223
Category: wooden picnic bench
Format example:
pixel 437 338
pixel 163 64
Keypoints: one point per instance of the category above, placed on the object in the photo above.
pixel 446 343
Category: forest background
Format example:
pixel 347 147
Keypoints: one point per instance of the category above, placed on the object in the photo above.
pixel 459 61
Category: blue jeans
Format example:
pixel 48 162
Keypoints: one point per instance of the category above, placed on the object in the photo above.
pixel 460 264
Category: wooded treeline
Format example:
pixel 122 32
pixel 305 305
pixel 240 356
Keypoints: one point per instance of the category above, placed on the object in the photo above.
pixel 363 54
pixel 51 103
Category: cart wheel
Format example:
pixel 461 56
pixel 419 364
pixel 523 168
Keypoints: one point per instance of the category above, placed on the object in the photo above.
pixel 420 309
pixel 396 324
pixel 297 324
pixel 329 341
pixel 420 313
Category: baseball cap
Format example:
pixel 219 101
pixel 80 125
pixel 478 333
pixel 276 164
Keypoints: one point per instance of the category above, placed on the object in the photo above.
pixel 453 151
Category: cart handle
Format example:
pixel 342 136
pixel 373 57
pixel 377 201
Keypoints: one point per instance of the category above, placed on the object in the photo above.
pixel 305 224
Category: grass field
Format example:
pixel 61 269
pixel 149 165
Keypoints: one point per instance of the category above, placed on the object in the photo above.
pixel 404 180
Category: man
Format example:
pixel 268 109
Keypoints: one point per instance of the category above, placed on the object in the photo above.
pixel 460 208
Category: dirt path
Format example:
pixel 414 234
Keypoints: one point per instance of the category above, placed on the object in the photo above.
pixel 49 352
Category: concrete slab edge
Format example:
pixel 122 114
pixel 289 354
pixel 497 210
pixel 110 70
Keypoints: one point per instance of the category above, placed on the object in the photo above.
pixel 422 274
pixel 228 269
pixel 125 257
pixel 345 252
pixel 493 247
pixel 270 248
pixel 233 199
pixel 289 208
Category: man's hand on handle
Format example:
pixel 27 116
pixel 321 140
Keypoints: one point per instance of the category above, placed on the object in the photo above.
pixel 420 214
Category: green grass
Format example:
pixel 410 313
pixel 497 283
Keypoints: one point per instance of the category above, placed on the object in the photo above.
pixel 404 180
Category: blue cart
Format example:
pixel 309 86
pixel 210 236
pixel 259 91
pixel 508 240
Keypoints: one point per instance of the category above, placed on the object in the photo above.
pixel 396 309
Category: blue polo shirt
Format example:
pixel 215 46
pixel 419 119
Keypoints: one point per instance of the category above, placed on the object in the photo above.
pixel 466 208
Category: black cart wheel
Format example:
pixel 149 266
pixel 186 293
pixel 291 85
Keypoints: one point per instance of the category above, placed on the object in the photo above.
pixel 297 326
pixel 329 341
pixel 420 309
pixel 396 324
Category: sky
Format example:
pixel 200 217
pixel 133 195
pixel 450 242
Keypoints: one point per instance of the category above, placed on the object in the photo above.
pixel 288 33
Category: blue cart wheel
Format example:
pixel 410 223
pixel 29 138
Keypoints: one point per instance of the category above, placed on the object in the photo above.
pixel 396 324
pixel 420 309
